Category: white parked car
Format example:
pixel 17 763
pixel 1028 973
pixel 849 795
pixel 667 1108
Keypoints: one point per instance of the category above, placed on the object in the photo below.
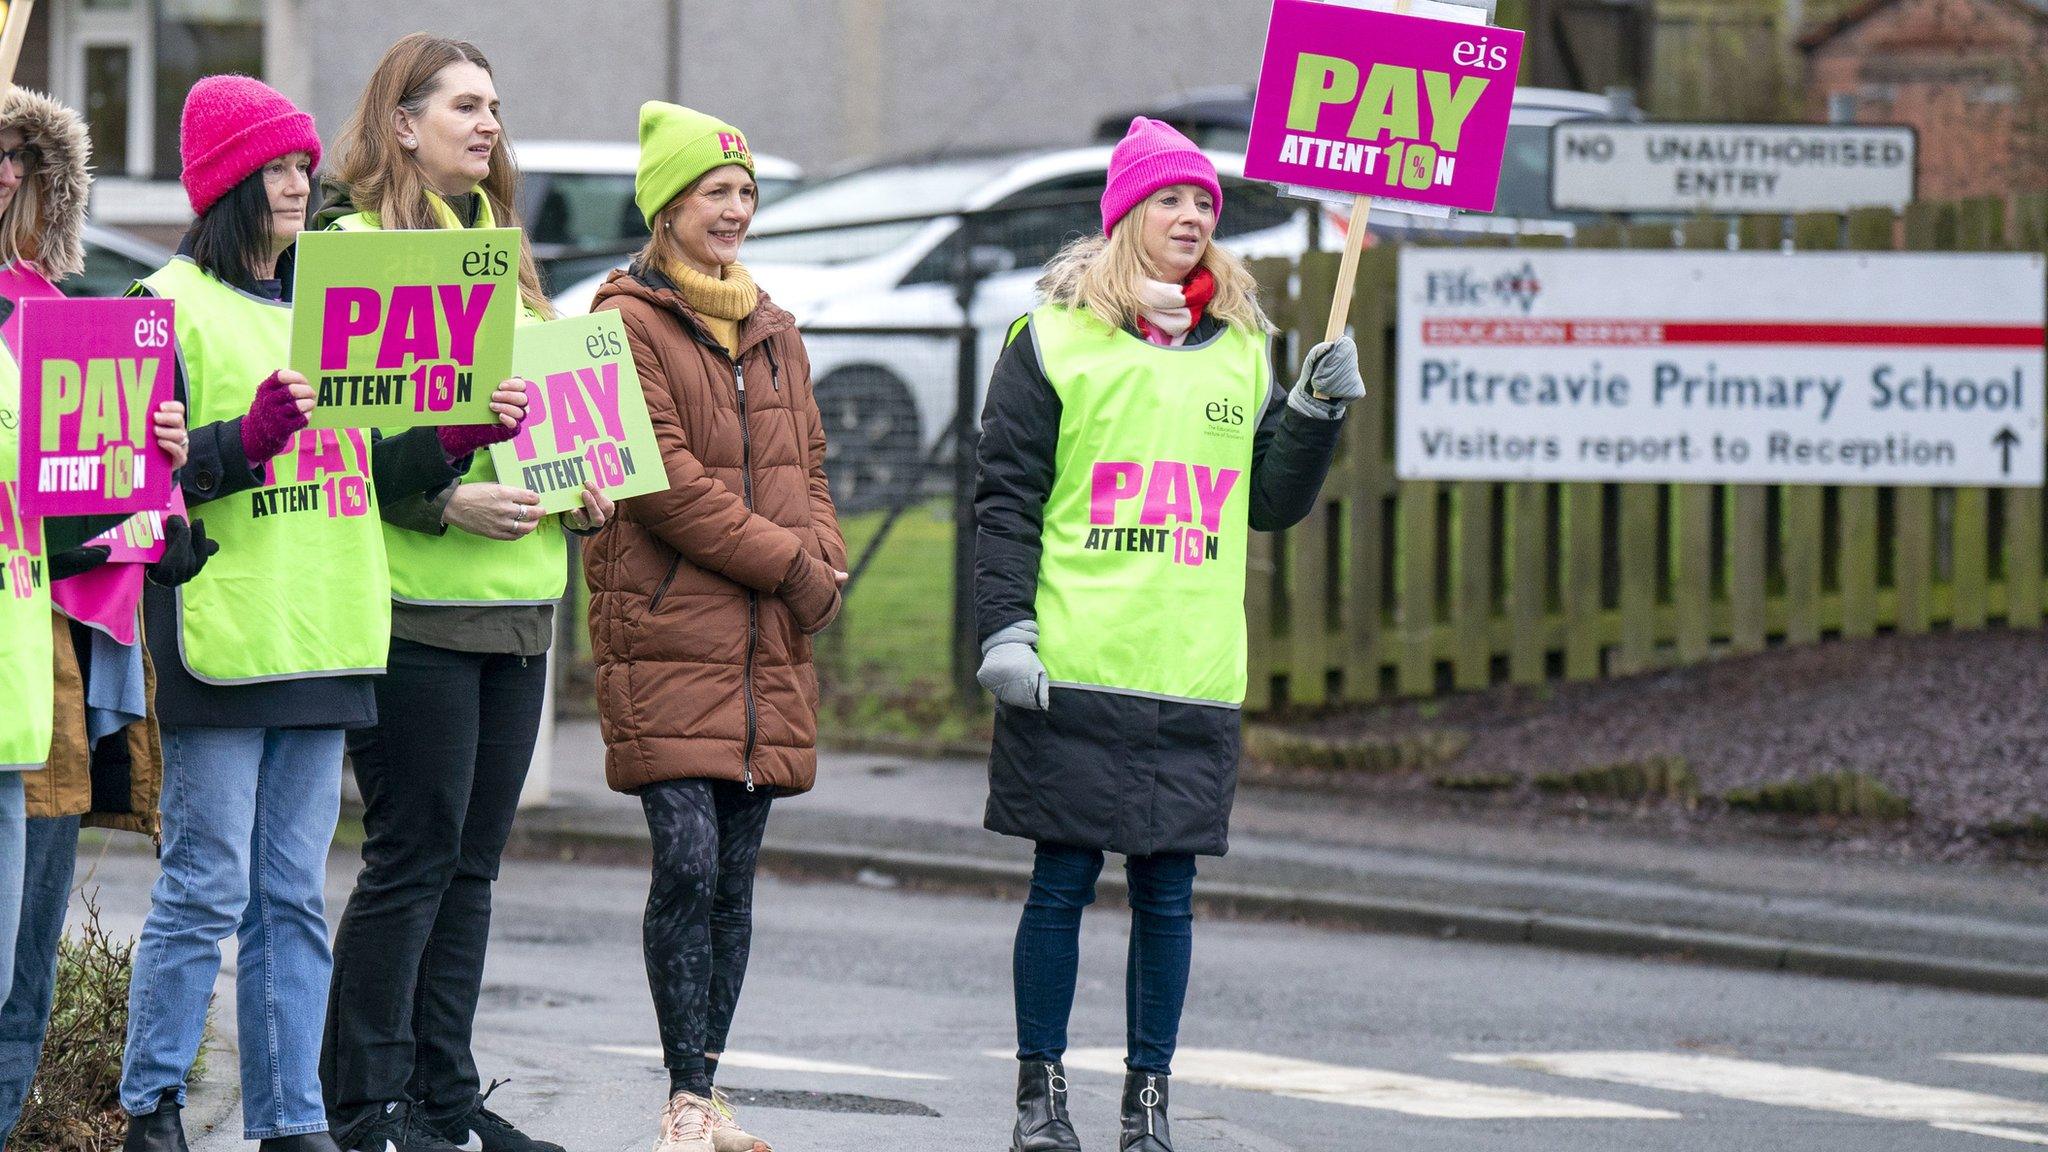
pixel 577 200
pixel 867 262
pixel 877 250
pixel 114 261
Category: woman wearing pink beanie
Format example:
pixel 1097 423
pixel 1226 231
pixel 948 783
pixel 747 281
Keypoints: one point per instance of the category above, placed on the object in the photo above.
pixel 1132 438
pixel 266 657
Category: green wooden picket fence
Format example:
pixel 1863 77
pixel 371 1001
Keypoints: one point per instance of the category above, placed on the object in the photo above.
pixel 1403 589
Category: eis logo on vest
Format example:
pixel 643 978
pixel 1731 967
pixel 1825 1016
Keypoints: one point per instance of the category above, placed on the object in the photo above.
pixel 1167 493
pixel 324 478
pixel 21 548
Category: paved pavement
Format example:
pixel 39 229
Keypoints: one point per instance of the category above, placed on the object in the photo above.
pixel 879 1018
pixel 1327 859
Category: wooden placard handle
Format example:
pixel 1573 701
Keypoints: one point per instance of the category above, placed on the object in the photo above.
pixel 1354 244
pixel 11 40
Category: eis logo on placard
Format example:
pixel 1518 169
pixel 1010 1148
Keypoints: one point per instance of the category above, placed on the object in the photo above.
pixel 1465 288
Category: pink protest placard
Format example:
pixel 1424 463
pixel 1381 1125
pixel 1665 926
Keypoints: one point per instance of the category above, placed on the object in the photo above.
pixel 92 372
pixel 1378 104
pixel 140 538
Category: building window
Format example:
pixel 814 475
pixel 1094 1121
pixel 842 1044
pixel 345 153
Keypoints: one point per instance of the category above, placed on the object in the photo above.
pixel 196 38
pixel 106 104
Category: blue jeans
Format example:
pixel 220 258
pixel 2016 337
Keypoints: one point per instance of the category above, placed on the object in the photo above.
pixel 45 898
pixel 248 817
pixel 1048 954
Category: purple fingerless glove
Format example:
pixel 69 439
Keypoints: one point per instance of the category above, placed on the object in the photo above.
pixel 459 440
pixel 273 419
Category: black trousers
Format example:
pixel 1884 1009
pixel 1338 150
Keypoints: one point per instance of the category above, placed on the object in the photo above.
pixel 700 915
pixel 440 776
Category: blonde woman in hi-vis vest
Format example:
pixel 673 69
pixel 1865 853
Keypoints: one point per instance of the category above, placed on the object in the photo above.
pixel 1131 439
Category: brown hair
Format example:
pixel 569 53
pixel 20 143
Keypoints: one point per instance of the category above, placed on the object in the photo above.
pixel 383 178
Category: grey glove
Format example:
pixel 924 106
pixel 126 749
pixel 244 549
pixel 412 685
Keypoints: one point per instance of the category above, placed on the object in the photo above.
pixel 1010 668
pixel 1329 381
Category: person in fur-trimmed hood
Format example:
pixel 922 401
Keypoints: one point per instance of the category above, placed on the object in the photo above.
pixel 1131 440
pixel 105 761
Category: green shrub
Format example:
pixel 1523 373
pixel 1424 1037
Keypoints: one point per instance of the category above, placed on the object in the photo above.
pixel 75 1102
pixel 2032 828
pixel 1839 794
pixel 1656 777
pixel 1414 752
pixel 1478 782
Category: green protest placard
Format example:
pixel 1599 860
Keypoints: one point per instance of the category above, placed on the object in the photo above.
pixel 586 416
pixel 403 329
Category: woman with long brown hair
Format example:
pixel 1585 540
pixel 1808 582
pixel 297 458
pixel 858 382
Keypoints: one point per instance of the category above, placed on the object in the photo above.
pixel 476 569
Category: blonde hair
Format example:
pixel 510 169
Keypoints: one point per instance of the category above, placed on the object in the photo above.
pixel 383 178
pixel 21 227
pixel 1102 274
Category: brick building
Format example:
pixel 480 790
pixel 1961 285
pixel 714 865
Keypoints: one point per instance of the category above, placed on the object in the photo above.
pixel 1970 75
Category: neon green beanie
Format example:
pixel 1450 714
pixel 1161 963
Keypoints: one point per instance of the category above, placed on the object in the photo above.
pixel 677 145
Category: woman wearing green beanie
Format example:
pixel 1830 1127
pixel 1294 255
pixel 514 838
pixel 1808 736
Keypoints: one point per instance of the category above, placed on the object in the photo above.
pixel 704 597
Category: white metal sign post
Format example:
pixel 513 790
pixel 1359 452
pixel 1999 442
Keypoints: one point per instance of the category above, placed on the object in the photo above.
pixel 1730 169
pixel 1703 367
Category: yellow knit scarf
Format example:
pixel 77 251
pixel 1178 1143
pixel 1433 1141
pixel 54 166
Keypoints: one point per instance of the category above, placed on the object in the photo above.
pixel 721 303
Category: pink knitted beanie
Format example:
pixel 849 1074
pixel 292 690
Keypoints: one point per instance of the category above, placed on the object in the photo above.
pixel 233 126
pixel 1151 156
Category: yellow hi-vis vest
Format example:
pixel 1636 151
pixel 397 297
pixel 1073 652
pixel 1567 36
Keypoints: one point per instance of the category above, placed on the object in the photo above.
pixel 299 589
pixel 1142 573
pixel 458 567
pixel 27 697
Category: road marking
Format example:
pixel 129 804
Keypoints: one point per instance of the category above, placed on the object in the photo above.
pixel 763 1062
pixel 1790 1086
pixel 2017 1061
pixel 1365 1087
pixel 2019 1135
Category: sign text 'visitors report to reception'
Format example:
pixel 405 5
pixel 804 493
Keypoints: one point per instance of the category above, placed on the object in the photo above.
pixel 1703 367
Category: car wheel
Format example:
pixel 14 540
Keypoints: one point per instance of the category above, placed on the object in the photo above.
pixel 872 454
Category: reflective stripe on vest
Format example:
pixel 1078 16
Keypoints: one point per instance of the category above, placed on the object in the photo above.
pixel 458 567
pixel 1142 573
pixel 27 696
pixel 299 589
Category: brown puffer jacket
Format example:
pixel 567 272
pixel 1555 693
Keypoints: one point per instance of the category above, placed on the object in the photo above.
pixel 115 785
pixel 703 598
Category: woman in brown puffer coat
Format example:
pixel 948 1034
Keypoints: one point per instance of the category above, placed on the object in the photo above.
pixel 703 598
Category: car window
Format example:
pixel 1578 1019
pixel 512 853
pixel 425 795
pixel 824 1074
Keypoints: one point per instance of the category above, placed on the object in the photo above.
pixel 1525 176
pixel 107 273
pixel 1249 206
pixel 831 245
pixel 586 210
pixel 885 193
pixel 1029 227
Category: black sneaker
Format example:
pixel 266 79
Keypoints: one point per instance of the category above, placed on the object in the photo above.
pixel 390 1128
pixel 482 1130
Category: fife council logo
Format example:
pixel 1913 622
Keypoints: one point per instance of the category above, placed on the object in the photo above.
pixel 1467 288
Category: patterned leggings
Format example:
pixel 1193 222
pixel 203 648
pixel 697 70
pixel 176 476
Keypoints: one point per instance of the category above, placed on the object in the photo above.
pixel 700 915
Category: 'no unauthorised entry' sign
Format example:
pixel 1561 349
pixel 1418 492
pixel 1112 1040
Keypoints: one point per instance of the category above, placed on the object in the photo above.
pixel 1758 368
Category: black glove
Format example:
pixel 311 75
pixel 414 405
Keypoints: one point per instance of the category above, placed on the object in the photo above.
pixel 185 551
pixel 75 561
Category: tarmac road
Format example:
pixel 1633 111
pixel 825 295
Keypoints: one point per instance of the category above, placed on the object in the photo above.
pixel 880 1018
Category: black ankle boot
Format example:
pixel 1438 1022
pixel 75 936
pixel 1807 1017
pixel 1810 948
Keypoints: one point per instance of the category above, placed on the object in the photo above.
pixel 1042 1124
pixel 303 1142
pixel 158 1131
pixel 1145 1114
